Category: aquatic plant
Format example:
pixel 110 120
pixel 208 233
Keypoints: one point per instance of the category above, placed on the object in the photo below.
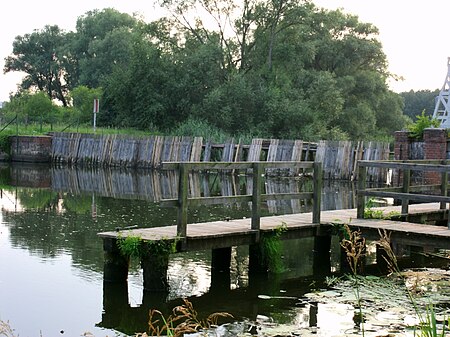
pixel 428 326
pixel 130 246
pixel 354 246
pixel 272 249
pixel 184 319
pixel 133 246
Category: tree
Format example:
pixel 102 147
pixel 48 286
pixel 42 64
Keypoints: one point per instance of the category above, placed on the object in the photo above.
pixel 103 40
pixel 83 101
pixel 35 107
pixel 418 101
pixel 40 56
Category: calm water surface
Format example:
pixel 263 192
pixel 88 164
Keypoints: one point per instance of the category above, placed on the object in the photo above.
pixel 51 261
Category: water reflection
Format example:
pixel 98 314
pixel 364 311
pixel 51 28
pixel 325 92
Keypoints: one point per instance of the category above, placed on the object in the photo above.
pixel 50 218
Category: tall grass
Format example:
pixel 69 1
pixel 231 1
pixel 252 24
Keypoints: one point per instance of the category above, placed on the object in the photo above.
pixel 354 247
pixel 199 128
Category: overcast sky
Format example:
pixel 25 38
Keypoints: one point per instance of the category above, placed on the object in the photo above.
pixel 414 34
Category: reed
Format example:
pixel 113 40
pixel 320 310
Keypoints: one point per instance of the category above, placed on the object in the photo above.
pixel 6 330
pixel 428 326
pixel 354 246
pixel 184 319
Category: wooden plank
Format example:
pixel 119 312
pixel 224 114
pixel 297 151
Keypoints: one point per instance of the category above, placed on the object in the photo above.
pixel 196 150
pixel 228 151
pixel 207 153
pixel 254 153
pixel 405 165
pixel 296 154
pixel 225 230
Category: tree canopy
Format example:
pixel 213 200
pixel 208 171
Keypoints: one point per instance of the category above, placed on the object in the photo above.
pixel 271 68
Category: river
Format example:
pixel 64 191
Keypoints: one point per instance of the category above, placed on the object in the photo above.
pixel 51 260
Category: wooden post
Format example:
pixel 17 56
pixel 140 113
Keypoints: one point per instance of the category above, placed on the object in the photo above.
pixel 183 188
pixel 317 191
pixel 406 183
pixel 360 199
pixel 444 183
pixel 220 269
pixel 154 268
pixel 321 256
pixel 115 268
pixel 256 196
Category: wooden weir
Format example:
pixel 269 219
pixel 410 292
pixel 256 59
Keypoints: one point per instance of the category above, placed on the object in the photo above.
pixel 220 236
pixel 338 158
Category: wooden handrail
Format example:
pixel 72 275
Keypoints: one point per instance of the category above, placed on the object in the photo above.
pixel 406 192
pixel 183 201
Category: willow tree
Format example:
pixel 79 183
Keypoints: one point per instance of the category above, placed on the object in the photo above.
pixel 41 56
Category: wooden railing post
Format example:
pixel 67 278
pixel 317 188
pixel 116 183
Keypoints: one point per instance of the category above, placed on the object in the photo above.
pixel 444 184
pixel 360 198
pixel 256 195
pixel 406 184
pixel 183 190
pixel 317 191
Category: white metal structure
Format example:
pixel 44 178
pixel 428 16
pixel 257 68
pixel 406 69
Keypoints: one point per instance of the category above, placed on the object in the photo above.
pixel 442 107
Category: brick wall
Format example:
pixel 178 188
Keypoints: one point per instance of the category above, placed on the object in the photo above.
pixel 31 148
pixel 402 147
pixel 435 147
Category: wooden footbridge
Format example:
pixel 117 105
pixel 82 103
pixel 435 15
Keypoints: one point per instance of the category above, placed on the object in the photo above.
pixel 220 236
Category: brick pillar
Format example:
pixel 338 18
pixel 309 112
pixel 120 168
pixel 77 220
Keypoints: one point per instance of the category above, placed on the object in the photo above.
pixel 435 147
pixel 402 149
pixel 401 145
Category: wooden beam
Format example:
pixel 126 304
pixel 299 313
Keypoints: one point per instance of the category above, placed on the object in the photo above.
pixel 183 190
pixel 360 197
pixel 317 191
pixel 256 197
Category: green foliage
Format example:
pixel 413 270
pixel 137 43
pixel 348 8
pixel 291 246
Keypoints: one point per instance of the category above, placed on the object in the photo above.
pixel 83 103
pixel 130 246
pixel 417 101
pixel 272 250
pixel 423 122
pixel 199 128
pixel 291 70
pixel 78 204
pixel 429 326
pixel 134 246
pixel 41 56
pixel 371 213
pixel 32 107
pixel 5 142
pixel 37 198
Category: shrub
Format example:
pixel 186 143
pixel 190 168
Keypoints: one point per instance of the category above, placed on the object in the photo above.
pixel 423 122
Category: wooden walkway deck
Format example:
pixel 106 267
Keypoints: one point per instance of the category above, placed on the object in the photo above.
pixel 217 234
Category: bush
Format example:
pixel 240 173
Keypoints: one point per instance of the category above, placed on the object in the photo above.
pixel 423 122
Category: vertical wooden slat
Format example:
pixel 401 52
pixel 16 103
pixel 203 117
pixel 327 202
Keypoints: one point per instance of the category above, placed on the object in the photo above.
pixel 256 195
pixel 183 187
pixel 360 199
pixel 405 189
pixel 317 192
pixel 444 185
